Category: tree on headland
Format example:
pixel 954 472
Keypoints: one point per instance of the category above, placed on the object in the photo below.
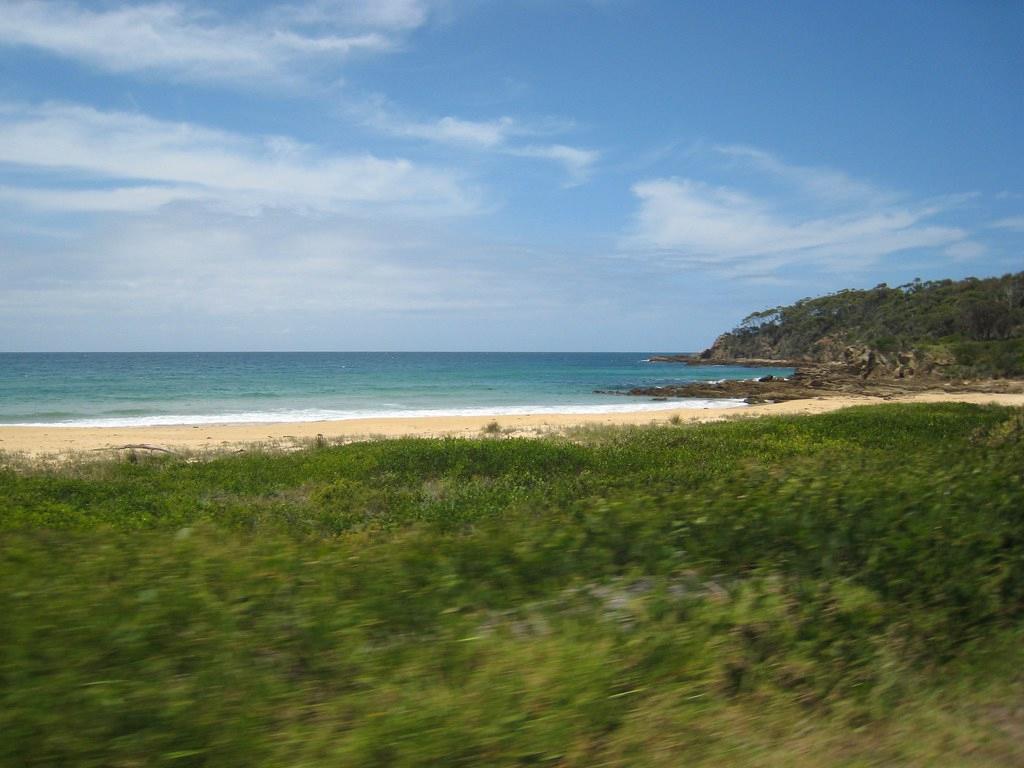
pixel 976 323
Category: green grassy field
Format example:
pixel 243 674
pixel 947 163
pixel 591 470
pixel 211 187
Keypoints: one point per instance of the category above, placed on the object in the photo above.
pixel 837 590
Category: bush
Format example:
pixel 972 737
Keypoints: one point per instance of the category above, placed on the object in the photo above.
pixel 641 596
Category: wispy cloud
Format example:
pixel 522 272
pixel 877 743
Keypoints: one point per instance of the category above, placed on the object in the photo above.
pixel 578 163
pixel 228 265
pixel 1013 223
pixel 505 135
pixel 377 14
pixel 283 43
pixel 729 229
pixel 822 183
pixel 130 199
pixel 966 250
pixel 480 134
pixel 133 162
pixel 219 279
pixel 782 215
pixel 190 42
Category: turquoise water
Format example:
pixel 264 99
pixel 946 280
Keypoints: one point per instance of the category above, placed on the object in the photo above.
pixel 115 389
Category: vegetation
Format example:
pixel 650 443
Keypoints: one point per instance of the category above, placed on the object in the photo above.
pixel 967 327
pixel 841 590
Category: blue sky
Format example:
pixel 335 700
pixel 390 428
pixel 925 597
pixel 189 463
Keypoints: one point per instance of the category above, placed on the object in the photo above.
pixel 490 174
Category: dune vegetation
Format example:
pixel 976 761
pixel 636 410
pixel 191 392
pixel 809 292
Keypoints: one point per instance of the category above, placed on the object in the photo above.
pixel 838 590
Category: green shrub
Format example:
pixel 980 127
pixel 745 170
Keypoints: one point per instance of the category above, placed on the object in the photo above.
pixel 839 589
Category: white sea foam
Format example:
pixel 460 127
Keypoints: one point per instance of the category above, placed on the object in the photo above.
pixel 296 416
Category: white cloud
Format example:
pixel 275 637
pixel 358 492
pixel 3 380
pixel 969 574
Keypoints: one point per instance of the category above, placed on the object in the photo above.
pixel 338 279
pixel 818 182
pixel 132 199
pixel 387 14
pixel 234 266
pixel 694 222
pixel 499 135
pixel 189 42
pixel 965 250
pixel 483 134
pixel 144 163
pixel 1014 223
pixel 578 163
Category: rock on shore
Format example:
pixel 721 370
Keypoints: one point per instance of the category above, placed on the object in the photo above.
pixel 862 375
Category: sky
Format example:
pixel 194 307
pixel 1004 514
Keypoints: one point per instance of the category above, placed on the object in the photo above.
pixel 530 175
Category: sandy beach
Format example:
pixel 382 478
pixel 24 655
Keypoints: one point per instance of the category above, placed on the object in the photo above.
pixel 42 441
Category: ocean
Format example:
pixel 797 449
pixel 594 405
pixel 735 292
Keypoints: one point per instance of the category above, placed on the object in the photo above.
pixel 135 389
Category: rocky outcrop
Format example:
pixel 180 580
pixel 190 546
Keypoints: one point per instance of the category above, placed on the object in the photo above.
pixel 687 359
pixel 871 364
pixel 856 359
pixel 727 349
pixel 907 364
pixel 751 362
pixel 818 380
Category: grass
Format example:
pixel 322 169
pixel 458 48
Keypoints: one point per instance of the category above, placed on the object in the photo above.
pixel 844 589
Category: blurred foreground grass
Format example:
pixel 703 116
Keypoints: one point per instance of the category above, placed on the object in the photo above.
pixel 837 590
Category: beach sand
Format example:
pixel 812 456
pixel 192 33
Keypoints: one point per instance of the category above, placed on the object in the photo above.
pixel 56 441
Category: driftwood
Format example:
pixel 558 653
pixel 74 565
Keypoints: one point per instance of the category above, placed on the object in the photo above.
pixel 139 447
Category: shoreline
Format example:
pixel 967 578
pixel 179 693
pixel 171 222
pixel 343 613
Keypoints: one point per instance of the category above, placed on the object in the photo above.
pixel 43 441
